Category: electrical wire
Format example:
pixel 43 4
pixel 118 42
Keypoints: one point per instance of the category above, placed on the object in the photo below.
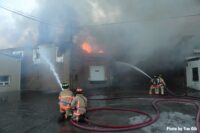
pixel 33 18
pixel 23 15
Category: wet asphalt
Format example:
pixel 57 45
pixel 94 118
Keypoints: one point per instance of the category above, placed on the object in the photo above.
pixel 37 112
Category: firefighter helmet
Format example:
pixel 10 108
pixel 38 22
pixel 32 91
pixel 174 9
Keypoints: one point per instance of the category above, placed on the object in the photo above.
pixel 79 90
pixel 65 85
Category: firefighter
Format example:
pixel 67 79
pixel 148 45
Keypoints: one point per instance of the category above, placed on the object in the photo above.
pixel 154 85
pixel 79 104
pixel 162 84
pixel 65 99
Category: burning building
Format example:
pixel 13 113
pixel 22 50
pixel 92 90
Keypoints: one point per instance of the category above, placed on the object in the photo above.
pixel 45 67
pixel 90 67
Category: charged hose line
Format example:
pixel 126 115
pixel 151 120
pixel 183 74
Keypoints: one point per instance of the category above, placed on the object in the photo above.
pixel 97 127
pixel 117 109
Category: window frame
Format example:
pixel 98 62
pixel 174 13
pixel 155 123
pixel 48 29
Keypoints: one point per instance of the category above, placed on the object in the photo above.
pixel 5 83
pixel 59 59
pixel 195 74
pixel 36 58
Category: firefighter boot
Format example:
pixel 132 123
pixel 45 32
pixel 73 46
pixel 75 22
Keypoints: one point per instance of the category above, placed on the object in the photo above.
pixel 61 118
pixel 82 118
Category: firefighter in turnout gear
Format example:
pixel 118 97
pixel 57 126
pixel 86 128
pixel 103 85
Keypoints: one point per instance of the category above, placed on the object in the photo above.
pixel 65 99
pixel 79 104
pixel 154 85
pixel 158 85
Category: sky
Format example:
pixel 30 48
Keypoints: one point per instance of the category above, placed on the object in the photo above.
pixel 12 33
pixel 133 29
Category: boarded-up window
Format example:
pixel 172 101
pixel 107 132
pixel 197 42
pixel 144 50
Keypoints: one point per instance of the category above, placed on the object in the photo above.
pixel 195 74
pixel 4 80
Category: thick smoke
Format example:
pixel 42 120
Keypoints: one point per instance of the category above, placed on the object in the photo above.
pixel 155 35
pixel 135 31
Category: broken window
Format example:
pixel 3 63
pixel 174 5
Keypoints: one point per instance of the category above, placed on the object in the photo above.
pixel 4 80
pixel 59 55
pixel 195 74
pixel 36 56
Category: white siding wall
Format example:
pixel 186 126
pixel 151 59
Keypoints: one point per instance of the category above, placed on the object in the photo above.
pixel 12 67
pixel 189 74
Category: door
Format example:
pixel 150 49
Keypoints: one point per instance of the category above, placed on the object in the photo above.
pixel 97 73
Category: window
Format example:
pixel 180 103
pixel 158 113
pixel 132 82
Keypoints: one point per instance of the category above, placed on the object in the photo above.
pixel 36 56
pixel 59 55
pixel 19 54
pixel 195 74
pixel 4 80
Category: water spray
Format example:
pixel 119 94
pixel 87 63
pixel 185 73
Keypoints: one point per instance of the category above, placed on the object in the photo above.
pixel 139 70
pixel 136 68
pixel 52 68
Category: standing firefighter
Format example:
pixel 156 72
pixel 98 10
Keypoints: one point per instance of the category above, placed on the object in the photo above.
pixel 154 85
pixel 79 104
pixel 65 99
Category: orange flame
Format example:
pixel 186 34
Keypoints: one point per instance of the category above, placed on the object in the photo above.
pixel 86 47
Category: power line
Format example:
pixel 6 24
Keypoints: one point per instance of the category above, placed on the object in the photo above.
pixel 21 14
pixel 137 21
pixel 33 18
pixel 6 3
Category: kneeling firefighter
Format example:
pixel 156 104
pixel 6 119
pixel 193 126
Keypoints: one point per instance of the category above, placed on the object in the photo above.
pixel 65 99
pixel 154 85
pixel 79 104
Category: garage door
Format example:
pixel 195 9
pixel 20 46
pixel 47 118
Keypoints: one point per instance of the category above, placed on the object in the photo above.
pixel 97 73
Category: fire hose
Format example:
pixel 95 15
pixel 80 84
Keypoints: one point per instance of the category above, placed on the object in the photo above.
pixel 151 120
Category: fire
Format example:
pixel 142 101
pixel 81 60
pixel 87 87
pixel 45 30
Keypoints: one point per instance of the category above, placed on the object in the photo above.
pixel 86 47
pixel 89 49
